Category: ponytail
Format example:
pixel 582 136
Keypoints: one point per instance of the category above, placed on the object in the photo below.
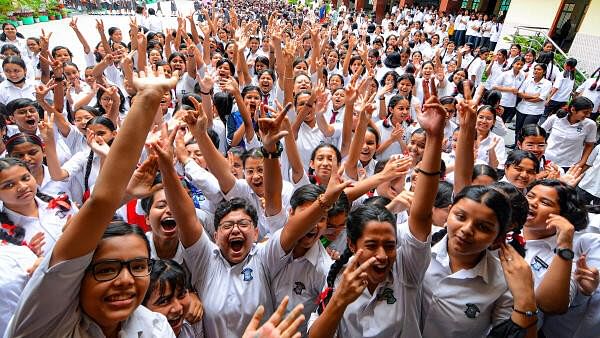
pixel 594 85
pixel 335 269
pixel 570 73
pixel 578 103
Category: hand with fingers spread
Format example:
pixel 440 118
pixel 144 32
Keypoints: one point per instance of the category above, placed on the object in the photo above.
pixel 277 326
pixel 197 120
pixel 141 183
pixel 432 117
pixel 36 243
pixel 155 85
pixel 466 112
pixel 46 128
pixel 572 176
pixel 97 144
pixel 587 278
pixel 271 129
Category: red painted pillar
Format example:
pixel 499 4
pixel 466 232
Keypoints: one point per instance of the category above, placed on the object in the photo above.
pixel 379 10
pixel 405 3
pixel 359 4
pixel 334 4
pixel 449 6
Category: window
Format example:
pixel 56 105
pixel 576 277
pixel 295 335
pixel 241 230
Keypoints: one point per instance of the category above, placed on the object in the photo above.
pixel 475 4
pixel 464 4
pixel 565 14
pixel 504 6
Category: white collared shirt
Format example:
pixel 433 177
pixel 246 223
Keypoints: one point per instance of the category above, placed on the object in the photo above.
pixel 53 188
pixel 9 91
pixel 394 308
pixel 582 320
pixel 531 87
pixel 14 262
pixel 302 279
pixel 41 313
pixel 590 181
pixel 566 140
pixel 594 95
pixel 508 79
pixel 466 303
pixel 484 147
pixel 49 221
pixel 231 294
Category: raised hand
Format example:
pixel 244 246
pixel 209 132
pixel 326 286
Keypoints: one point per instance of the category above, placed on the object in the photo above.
pixel 271 130
pixel 97 144
pixel 100 26
pixel 46 128
pixel 572 176
pixel 564 230
pixel 277 326
pixel 432 117
pixel 354 279
pixel 73 24
pixel 156 84
pixel 141 183
pixel 196 120
pixel 587 277
pixel 42 90
pixel 519 278
pixel 36 243
pixel 397 132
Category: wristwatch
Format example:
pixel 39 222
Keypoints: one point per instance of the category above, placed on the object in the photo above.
pixel 565 253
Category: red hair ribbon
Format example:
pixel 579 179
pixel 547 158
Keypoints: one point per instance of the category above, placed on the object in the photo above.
pixel 518 237
pixel 61 201
pixel 323 296
pixel 10 228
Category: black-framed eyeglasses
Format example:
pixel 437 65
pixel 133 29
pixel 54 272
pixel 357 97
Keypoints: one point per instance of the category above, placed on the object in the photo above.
pixel 242 224
pixel 109 269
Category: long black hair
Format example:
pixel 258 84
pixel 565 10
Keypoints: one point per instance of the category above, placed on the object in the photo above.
pixel 569 203
pixel 355 225
pixel 88 166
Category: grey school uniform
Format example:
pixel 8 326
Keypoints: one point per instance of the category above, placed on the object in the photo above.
pixel 231 294
pixel 49 307
pixel 466 303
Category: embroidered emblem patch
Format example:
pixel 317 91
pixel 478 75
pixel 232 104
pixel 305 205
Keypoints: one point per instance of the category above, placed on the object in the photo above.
pixel 388 295
pixel 472 310
pixel 247 272
pixel 538 264
pixel 298 288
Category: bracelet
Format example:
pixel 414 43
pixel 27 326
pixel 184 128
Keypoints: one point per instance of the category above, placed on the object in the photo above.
pixel 527 313
pixel 323 205
pixel 59 79
pixel 206 93
pixel 381 98
pixel 427 173
pixel 269 155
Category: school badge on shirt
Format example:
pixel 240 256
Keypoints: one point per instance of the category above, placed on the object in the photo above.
pixel 472 310
pixel 247 272
pixel 298 288
pixel 388 295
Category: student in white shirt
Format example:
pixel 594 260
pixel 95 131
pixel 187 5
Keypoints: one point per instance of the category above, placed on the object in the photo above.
pixel 95 268
pixel 555 213
pixel 382 268
pixel 476 68
pixel 561 89
pixel 16 84
pixel 396 129
pixel 489 141
pixel 521 168
pixel 243 268
pixel 496 68
pixel 496 30
pixel 509 82
pixel 534 92
pixel 572 134
pixel 30 149
pixel 591 90
pixel 169 294
pixel 588 188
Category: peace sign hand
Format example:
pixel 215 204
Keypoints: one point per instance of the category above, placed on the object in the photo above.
pixel 354 279
pixel 466 111
pixel 271 128
pixel 197 119
pixel 433 115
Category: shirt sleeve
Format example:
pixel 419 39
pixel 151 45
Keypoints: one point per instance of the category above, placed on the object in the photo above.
pixel 549 123
pixel 413 258
pixel 76 164
pixel 590 135
pixel 204 180
pixel 593 156
pixel 272 255
pixel 502 308
pixel 197 257
pixel 49 303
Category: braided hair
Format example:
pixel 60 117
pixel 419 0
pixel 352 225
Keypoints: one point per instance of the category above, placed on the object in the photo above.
pixel 594 85
pixel 88 166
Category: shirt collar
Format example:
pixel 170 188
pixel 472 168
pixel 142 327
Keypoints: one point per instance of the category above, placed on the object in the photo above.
pixel 440 254
pixel 17 218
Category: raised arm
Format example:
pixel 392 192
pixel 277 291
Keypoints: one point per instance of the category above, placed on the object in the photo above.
pixel 217 164
pixel 47 133
pixel 80 37
pixel 232 87
pixel 350 98
pixel 351 44
pixel 432 119
pixel 465 156
pixel 86 227
pixel 366 111
pixel 103 40
pixel 271 131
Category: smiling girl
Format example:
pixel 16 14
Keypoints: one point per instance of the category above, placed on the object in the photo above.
pixel 16 84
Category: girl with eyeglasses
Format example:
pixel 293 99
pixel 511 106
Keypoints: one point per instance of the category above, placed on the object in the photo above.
pixel 99 271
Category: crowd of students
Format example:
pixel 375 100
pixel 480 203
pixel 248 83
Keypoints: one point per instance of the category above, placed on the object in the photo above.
pixel 339 177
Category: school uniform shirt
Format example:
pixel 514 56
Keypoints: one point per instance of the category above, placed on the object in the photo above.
pixel 566 140
pixel 564 86
pixel 484 147
pixel 9 92
pixel 495 33
pixel 14 262
pixel 53 188
pixel 582 320
pixel 531 87
pixel 75 140
pixel 509 79
pixel 76 167
pixel 185 85
pixel 419 87
pixel 338 113
pixel 590 181
pixel 477 67
pixel 594 95
pixel 460 22
pixel 302 280
pixel 496 71
pixel 499 127
pixel 243 190
pixel 465 303
pixel 231 294
pixel 50 221
pixel 191 330
pixel 385 132
pixel 393 310
pixel 308 139
pixel 154 255
pixel 41 313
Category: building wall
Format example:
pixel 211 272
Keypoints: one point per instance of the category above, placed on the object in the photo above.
pixel 533 13
pixel 585 45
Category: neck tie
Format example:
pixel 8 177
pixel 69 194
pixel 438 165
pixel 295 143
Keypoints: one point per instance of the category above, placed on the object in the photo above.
pixel 333 116
pixel 266 99
pixel 425 89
